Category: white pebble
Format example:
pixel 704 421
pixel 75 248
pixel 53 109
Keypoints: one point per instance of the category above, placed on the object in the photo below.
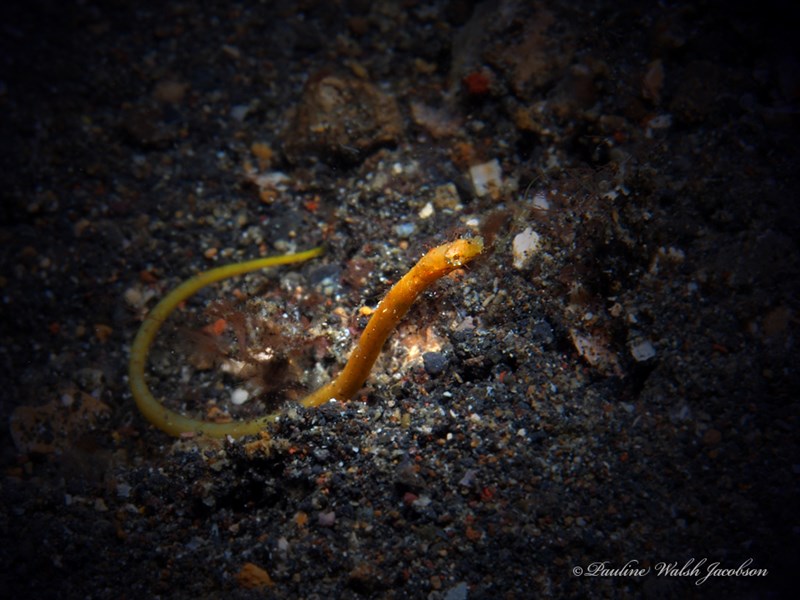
pixel 524 246
pixel 541 202
pixel 134 297
pixel 405 230
pixel 240 396
pixel 486 178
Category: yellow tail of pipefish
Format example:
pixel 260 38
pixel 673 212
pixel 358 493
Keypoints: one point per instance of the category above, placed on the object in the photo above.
pixel 170 421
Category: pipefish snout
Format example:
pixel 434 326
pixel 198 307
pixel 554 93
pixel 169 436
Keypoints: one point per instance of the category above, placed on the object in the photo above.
pixel 435 264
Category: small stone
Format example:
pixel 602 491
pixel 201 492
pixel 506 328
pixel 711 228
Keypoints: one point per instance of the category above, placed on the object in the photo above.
pixel 524 246
pixel 426 211
pixel 326 519
pixel 540 201
pixel 253 577
pixel 405 230
pixel 439 123
pixel 542 332
pixel 434 362
pixel 124 490
pixel 239 112
pixel 486 178
pixel 133 297
pixel 421 502
pixel 642 350
pixel 469 478
pixel 594 350
pixel 239 396
pixel 459 591
pixel 341 119
pixel 446 197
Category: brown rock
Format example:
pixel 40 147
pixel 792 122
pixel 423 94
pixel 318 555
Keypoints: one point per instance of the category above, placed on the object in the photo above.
pixel 341 119
pixel 253 577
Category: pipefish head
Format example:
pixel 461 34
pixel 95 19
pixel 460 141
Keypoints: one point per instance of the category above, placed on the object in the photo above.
pixel 462 251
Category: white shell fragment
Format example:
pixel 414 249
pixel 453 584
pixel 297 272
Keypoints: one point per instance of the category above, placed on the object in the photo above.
pixel 487 178
pixel 540 201
pixel 524 246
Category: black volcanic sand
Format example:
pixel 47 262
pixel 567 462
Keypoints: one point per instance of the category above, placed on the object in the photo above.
pixel 604 404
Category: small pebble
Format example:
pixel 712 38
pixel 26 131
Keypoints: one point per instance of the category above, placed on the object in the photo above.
pixel 446 197
pixel 486 178
pixel 541 202
pixel 326 519
pixel 642 350
pixel 239 396
pixel 469 478
pixel 134 297
pixel 459 591
pixel 239 112
pixel 426 211
pixel 405 230
pixel 434 362
pixel 123 490
pixel 542 333
pixel 524 246
pixel 253 577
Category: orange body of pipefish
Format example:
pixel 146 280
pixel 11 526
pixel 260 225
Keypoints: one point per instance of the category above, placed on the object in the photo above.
pixel 436 263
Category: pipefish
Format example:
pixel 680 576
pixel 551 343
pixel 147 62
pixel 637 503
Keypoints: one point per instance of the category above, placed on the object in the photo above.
pixel 435 264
